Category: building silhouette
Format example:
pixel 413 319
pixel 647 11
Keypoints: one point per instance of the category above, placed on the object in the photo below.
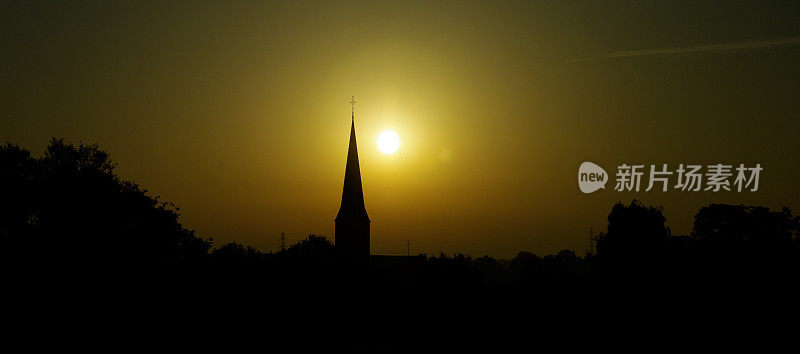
pixel 352 223
pixel 351 231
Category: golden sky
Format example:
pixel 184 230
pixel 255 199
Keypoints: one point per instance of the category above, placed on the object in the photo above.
pixel 238 111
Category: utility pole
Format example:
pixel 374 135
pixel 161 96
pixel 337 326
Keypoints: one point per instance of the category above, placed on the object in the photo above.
pixel 283 241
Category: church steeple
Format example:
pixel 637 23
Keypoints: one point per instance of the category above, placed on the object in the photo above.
pixel 352 222
pixel 352 193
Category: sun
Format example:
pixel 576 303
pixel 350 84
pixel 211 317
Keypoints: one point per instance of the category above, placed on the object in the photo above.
pixel 388 142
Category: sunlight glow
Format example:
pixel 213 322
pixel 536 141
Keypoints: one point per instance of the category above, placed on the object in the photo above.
pixel 388 142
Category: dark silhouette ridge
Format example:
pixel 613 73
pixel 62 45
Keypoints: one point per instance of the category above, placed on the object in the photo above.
pixel 73 233
pixel 68 209
pixel 352 223
pixel 66 213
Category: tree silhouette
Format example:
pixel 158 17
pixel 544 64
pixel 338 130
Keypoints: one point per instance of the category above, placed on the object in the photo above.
pixel 68 212
pixel 736 223
pixel 745 242
pixel 68 207
pixel 635 233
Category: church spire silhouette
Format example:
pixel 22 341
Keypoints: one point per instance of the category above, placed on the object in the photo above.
pixel 352 223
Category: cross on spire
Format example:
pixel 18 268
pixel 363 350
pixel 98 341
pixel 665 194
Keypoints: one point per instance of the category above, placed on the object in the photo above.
pixel 352 107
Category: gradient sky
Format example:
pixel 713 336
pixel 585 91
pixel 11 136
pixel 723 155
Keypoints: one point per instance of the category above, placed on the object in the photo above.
pixel 238 111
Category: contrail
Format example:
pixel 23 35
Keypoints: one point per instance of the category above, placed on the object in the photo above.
pixel 696 49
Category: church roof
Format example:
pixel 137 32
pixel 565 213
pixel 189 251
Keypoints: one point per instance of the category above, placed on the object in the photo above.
pixel 352 195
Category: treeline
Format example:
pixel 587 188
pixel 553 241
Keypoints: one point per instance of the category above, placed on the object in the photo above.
pixel 67 211
pixel 68 208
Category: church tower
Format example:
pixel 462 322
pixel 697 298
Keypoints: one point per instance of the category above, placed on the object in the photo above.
pixel 352 223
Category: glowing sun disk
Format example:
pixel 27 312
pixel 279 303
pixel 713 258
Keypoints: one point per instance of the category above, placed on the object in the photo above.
pixel 388 142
